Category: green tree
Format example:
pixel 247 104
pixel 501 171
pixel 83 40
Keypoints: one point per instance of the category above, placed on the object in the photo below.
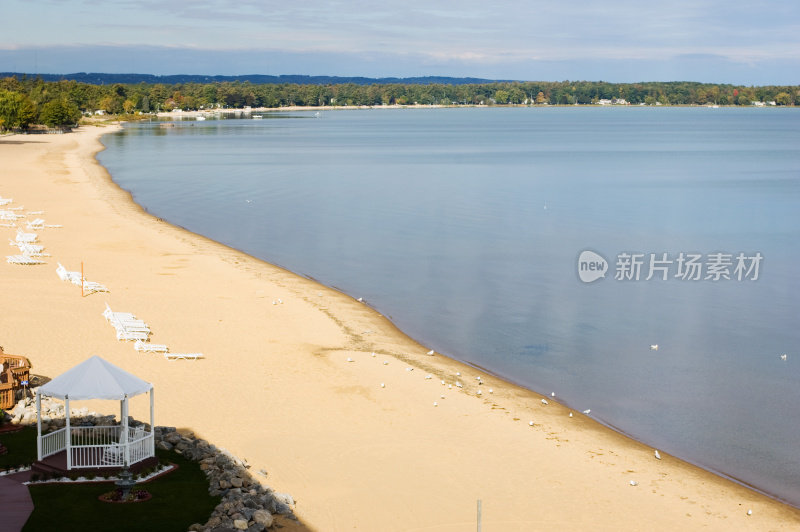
pixel 16 110
pixel 59 113
pixel 783 98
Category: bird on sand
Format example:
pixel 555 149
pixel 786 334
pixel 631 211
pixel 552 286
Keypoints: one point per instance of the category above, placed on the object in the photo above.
pixel 431 352
pixel 657 455
pixel 587 411
pixel 544 402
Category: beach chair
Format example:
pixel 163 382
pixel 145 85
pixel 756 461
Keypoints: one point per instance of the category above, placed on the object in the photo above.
pixel 183 356
pixel 92 287
pixel 35 225
pixel 129 336
pixel 28 238
pixel 143 347
pixel 23 259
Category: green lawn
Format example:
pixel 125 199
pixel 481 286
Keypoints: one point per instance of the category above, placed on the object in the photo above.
pixel 179 499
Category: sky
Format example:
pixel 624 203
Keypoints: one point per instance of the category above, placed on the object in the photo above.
pixel 713 41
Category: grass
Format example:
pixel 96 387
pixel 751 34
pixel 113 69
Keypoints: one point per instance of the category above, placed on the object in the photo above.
pixel 21 447
pixel 180 499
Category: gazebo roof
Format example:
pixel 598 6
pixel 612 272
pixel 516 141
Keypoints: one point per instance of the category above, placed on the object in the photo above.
pixel 95 378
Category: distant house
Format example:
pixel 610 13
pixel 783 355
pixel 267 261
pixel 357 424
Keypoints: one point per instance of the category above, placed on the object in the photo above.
pixel 759 104
pixel 100 112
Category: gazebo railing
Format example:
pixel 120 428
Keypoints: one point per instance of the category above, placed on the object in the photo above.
pixel 100 446
pixel 54 442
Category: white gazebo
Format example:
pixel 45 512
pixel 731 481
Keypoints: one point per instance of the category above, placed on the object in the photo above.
pixel 96 446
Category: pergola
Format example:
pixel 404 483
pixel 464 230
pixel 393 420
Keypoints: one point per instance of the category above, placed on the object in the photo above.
pixel 96 446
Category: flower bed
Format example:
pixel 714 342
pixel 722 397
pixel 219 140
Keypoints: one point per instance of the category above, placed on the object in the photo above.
pixel 135 495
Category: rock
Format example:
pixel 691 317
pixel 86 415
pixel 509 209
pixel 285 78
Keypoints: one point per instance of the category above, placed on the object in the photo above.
pixel 224 484
pixel 164 445
pixel 263 517
pixel 285 498
pixel 214 521
pixel 240 524
pixel 236 482
pixel 197 527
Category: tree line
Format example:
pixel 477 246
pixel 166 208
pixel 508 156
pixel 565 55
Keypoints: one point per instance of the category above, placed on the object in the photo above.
pixel 25 101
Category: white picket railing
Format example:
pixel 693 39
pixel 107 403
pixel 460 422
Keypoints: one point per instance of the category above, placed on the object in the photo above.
pixel 54 442
pixel 100 446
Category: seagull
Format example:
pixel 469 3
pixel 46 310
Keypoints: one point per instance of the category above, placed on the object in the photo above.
pixel 449 386
pixel 431 352
pixel 570 414
pixel 280 301
pixel 349 359
pixel 458 373
pixel 552 394
pixel 383 385
pixel 783 356
pixel 749 512
pixel 442 383
pixel 479 392
pixel 491 391
pixel 373 354
pixel 544 402
pixel 587 411
pixel 459 384
pixel 530 423
pixel 653 347
pixel 385 362
pixel 360 299
pixel 428 376
pixel 634 483
pixel 409 369
pixel 435 403
pixel 657 455
pixel 478 377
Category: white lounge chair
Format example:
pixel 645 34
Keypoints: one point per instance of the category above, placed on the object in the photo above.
pixel 23 259
pixel 91 287
pixel 144 347
pixel 28 238
pixel 129 336
pixel 183 356
pixel 10 216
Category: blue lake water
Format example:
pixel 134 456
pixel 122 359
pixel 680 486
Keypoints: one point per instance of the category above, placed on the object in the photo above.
pixel 464 226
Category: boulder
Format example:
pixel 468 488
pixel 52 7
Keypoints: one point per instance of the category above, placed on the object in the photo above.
pixel 240 524
pixel 263 517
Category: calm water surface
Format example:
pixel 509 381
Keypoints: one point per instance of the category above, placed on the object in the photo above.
pixel 465 225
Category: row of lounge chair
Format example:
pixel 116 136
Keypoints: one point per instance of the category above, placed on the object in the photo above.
pixel 130 328
pixel 75 278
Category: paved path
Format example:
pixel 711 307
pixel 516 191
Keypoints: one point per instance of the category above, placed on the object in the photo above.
pixel 16 504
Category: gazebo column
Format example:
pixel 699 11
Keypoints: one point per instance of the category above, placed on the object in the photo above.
pixel 39 425
pixel 152 424
pixel 124 438
pixel 68 435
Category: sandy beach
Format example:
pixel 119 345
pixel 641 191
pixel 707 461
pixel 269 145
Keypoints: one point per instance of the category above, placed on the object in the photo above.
pixel 289 381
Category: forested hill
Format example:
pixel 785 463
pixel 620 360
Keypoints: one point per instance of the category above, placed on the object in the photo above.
pixel 95 78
